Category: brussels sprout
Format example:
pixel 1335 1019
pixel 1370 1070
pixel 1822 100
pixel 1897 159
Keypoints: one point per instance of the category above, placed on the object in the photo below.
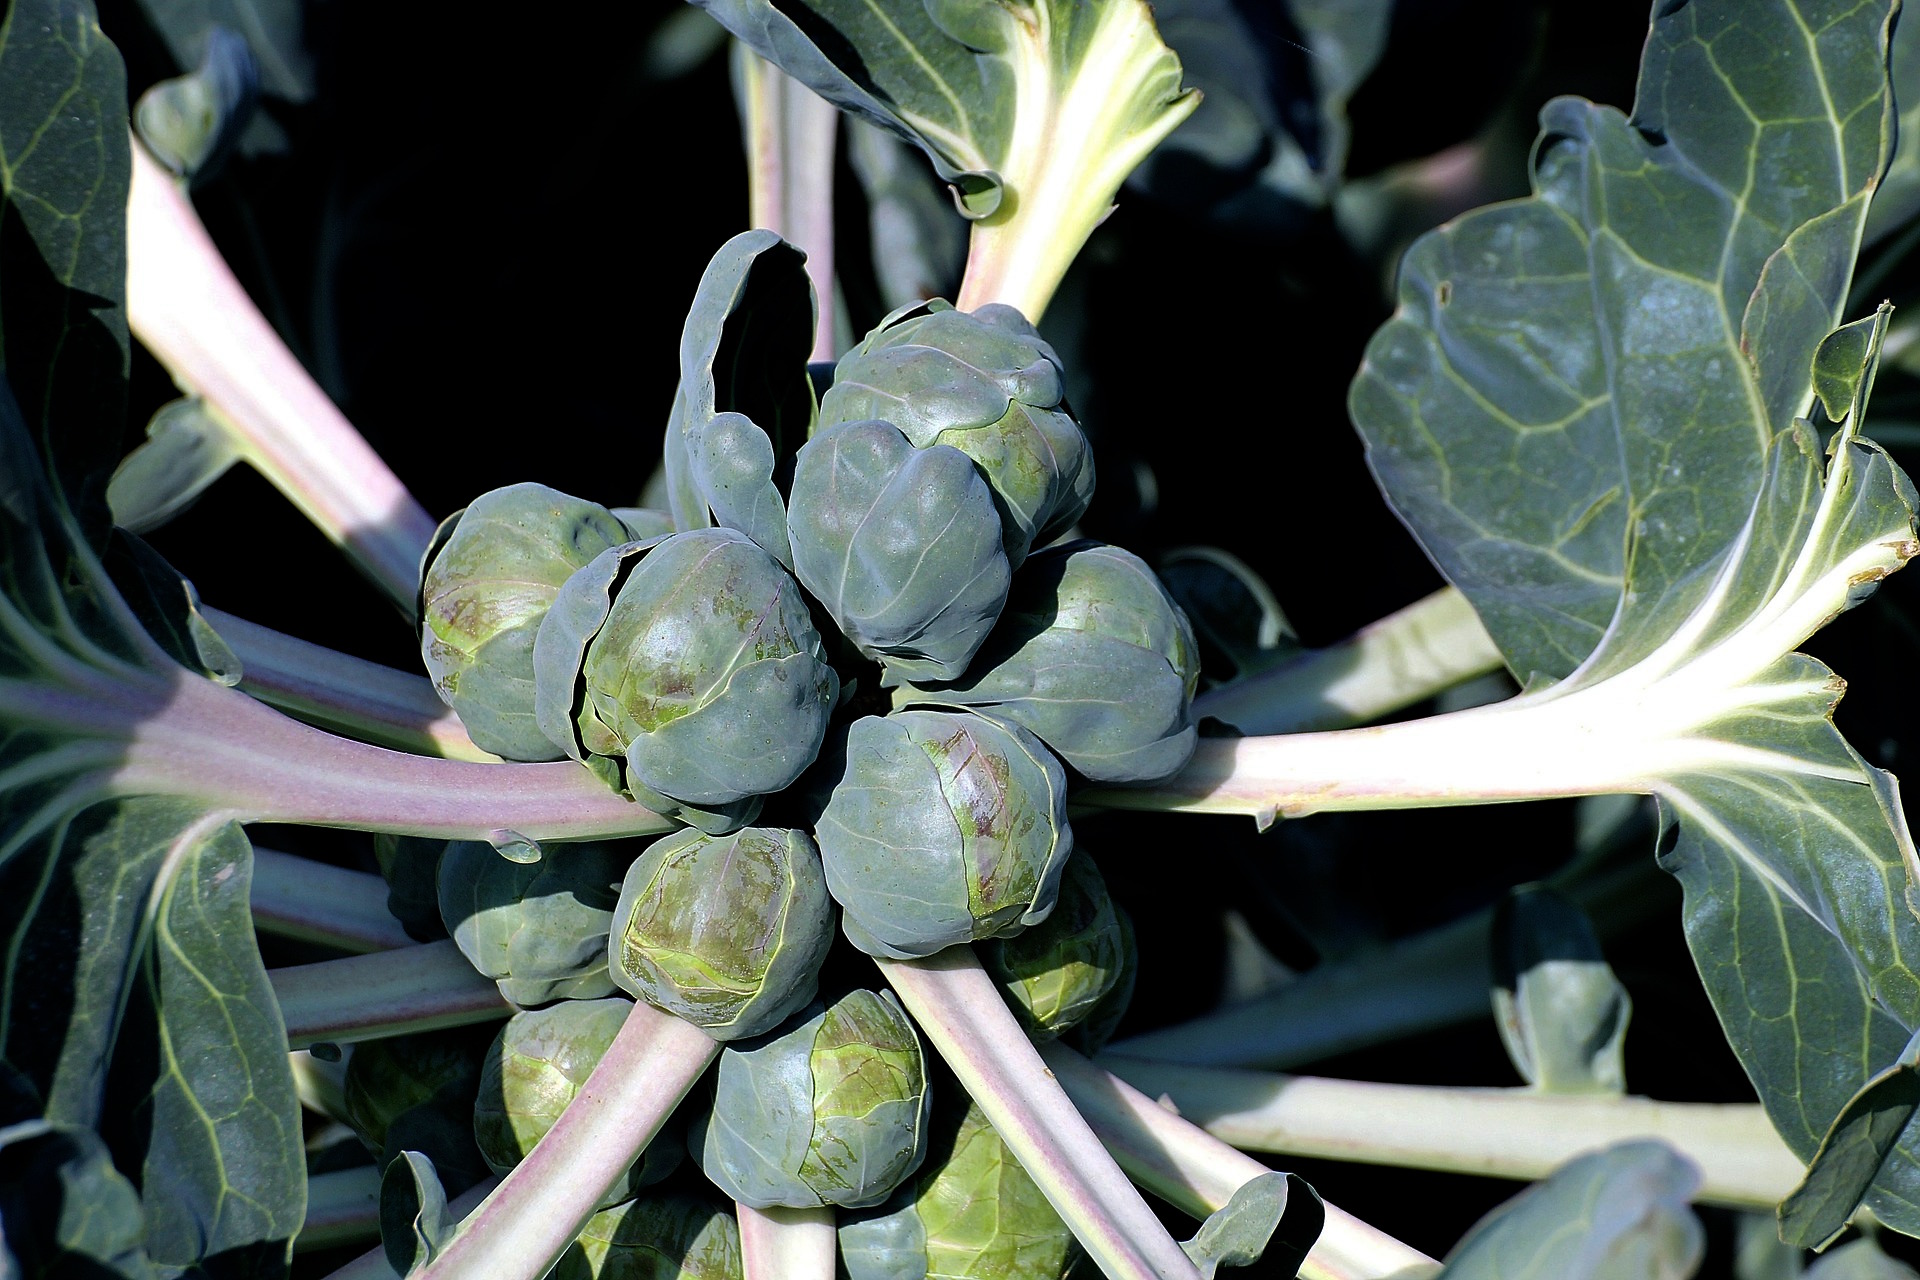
pixel 411 867
pixel 488 581
pixel 1098 1026
pixel 727 932
pixel 902 546
pixel 539 929
pixel 415 1092
pixel 986 383
pixel 533 1069
pixel 1094 658
pixel 700 669
pixel 944 827
pixel 659 1238
pixel 1057 973
pixel 972 1213
pixel 831 1111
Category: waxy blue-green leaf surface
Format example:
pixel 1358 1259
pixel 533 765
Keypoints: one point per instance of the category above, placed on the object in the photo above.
pixel 1587 408
pixel 124 918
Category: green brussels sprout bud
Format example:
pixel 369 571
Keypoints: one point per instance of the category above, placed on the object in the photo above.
pixel 533 1070
pixel 1098 1026
pixel 489 579
pixel 690 663
pixel 415 1092
pixel 728 932
pixel 944 827
pixel 902 546
pixel 971 1213
pixel 539 929
pixel 663 1238
pixel 411 867
pixel 986 383
pixel 832 1111
pixel 1057 973
pixel 1094 658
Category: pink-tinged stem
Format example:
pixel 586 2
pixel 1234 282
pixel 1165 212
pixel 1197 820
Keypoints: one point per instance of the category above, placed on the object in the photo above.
pixel 343 693
pixel 787 1244
pixel 191 737
pixel 388 993
pixel 295 897
pixel 188 309
pixel 958 1008
pixel 538 1210
pixel 791 131
pixel 1198 1173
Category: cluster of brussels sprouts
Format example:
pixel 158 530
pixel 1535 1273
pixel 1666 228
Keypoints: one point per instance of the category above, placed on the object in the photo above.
pixel 860 670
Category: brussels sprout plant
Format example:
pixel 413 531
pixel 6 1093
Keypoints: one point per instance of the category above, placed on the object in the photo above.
pixel 802 764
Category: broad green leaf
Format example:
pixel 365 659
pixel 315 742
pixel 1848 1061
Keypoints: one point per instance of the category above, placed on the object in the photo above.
pixel 64 166
pixel 64 1208
pixel 1589 408
pixel 1898 199
pixel 1559 1009
pixel 1574 404
pixel 1033 111
pixel 1618 1214
pixel 125 919
pixel 1271 133
pixel 1850 1157
pixel 187 448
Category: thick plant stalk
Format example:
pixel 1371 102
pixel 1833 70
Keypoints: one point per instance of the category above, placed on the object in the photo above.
pixel 1509 1133
pixel 189 737
pixel 958 1007
pixel 187 308
pixel 1404 658
pixel 294 897
pixel 538 1209
pixel 787 1244
pixel 343 1207
pixel 1197 1173
pixel 1436 979
pixel 388 993
pixel 344 694
pixel 790 136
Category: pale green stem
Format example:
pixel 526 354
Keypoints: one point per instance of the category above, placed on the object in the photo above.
pixel 1197 1173
pixel 345 694
pixel 539 1208
pixel 790 136
pixel 959 1008
pixel 294 897
pixel 388 993
pixel 1436 979
pixel 1506 1133
pixel 373 1265
pixel 343 1207
pixel 1076 136
pixel 778 1243
pixel 1404 658
pixel 186 307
